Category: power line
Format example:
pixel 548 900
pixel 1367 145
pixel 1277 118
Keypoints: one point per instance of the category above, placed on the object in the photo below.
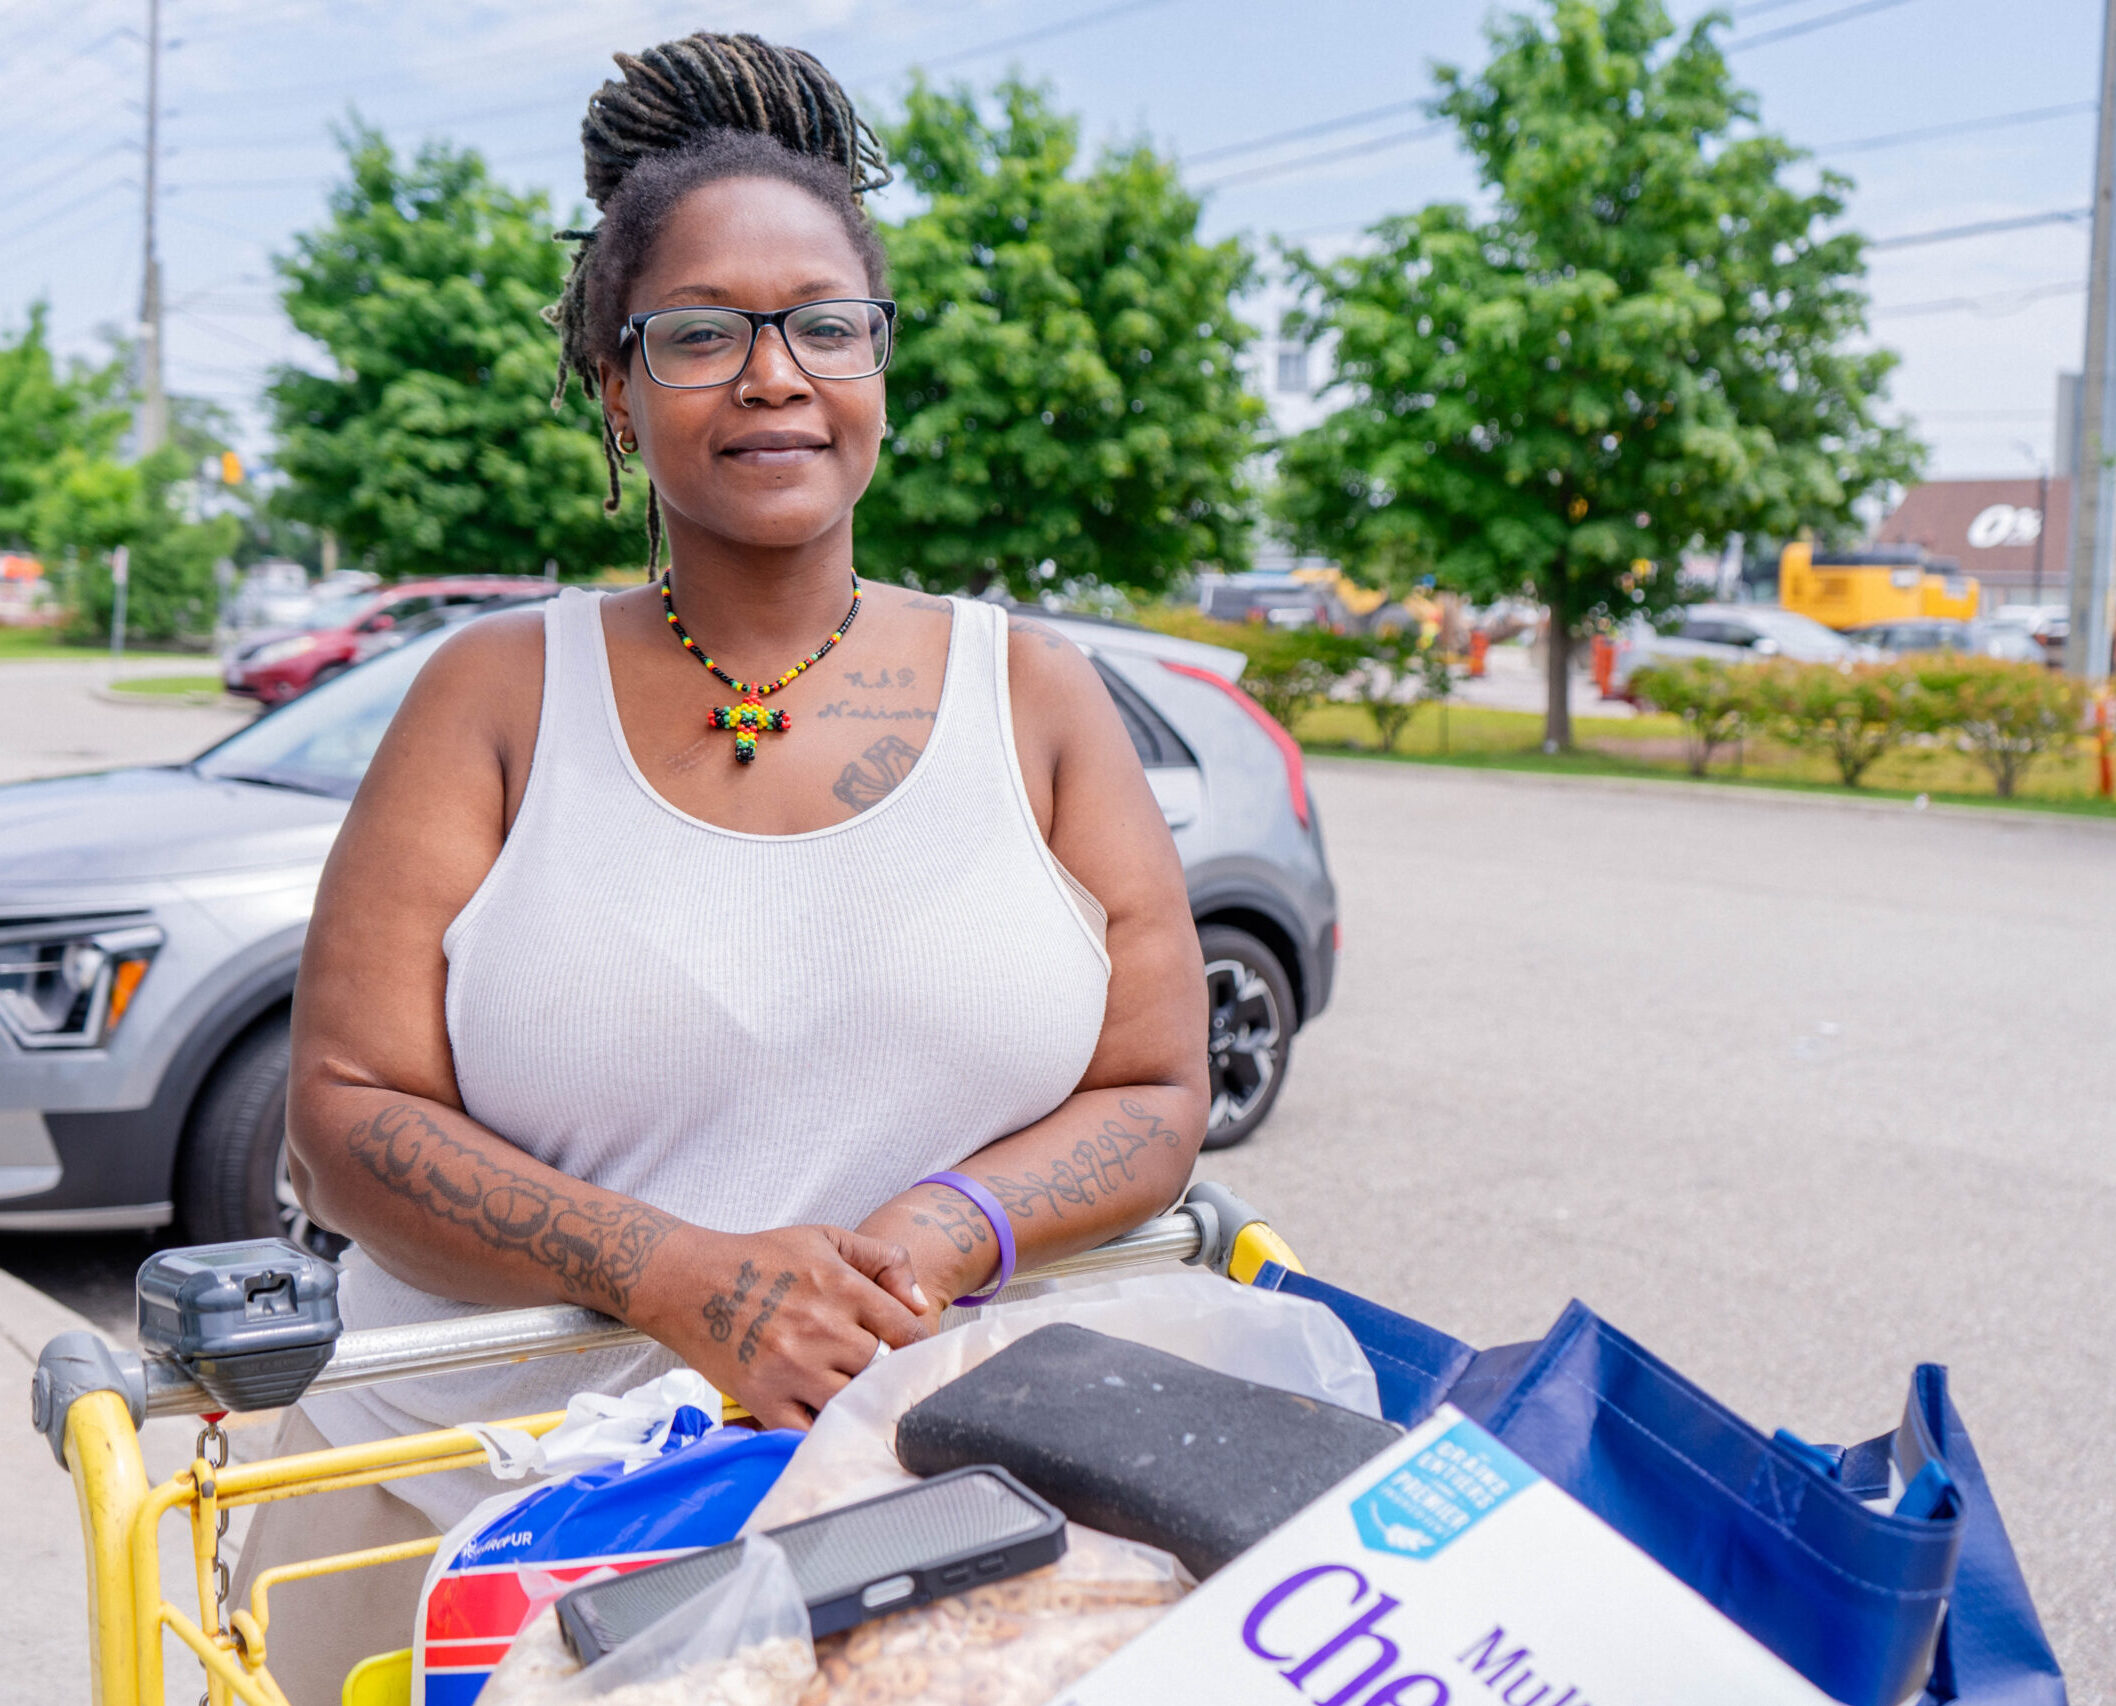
pixel 1326 157
pixel 1065 26
pixel 1998 121
pixel 1304 132
pixel 1842 15
pixel 16 197
pixel 1987 304
pixel 1982 228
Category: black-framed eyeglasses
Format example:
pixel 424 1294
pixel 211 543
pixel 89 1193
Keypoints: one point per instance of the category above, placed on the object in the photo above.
pixel 694 349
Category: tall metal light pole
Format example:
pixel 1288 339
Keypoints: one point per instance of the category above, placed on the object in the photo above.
pixel 153 419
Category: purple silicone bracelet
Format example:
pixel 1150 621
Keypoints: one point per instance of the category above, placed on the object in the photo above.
pixel 988 1206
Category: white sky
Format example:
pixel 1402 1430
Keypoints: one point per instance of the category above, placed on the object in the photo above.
pixel 254 86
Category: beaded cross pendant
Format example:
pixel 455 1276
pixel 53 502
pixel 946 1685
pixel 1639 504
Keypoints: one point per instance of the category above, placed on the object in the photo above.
pixel 746 719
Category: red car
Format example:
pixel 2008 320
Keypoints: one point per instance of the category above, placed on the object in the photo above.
pixel 284 663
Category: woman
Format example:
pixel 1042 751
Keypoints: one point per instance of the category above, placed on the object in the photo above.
pixel 678 937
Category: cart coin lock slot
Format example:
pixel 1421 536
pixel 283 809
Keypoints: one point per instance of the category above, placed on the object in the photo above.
pixel 903 1549
pixel 252 1322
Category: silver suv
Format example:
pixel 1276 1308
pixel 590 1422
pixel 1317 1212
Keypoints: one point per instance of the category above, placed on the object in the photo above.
pixel 151 921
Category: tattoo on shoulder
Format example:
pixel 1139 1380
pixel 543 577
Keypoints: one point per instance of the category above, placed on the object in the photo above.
pixel 927 602
pixel 597 1250
pixel 1034 630
pixel 876 772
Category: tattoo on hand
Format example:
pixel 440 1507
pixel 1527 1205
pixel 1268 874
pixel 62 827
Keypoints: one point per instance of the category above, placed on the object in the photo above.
pixel 1098 1168
pixel 765 1311
pixel 954 1218
pixel 876 773
pixel 597 1250
pixel 721 1309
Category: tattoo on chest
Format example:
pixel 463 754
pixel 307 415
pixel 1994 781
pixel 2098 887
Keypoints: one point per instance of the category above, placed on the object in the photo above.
pixel 597 1250
pixel 882 680
pixel 874 713
pixel 876 772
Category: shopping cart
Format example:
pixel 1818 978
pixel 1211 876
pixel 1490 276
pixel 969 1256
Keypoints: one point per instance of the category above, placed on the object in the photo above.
pixel 90 1399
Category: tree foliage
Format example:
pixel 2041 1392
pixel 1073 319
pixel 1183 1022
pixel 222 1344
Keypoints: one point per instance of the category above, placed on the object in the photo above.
pixel 65 494
pixel 433 447
pixel 1647 344
pixel 1064 400
pixel 1853 712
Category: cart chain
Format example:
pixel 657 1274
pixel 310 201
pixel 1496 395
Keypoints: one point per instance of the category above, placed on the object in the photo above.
pixel 213 1448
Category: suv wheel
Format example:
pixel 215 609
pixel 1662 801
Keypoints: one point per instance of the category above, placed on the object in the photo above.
pixel 232 1181
pixel 1249 1006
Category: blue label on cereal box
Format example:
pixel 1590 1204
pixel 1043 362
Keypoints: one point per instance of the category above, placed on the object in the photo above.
pixel 1449 1487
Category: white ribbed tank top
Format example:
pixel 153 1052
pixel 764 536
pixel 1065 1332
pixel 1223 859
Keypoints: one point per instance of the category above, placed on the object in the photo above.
pixel 747 1031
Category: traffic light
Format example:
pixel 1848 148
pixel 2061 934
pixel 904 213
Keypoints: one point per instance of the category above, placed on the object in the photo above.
pixel 230 468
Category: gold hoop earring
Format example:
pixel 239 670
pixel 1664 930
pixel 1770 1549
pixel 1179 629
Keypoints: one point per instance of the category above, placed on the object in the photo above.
pixel 627 443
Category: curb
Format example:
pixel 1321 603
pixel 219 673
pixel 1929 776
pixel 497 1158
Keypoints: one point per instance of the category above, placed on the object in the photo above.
pixel 2030 817
pixel 30 1319
pixel 200 701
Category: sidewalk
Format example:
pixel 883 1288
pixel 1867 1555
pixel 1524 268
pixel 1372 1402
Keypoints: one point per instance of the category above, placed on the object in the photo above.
pixel 44 1634
pixel 57 721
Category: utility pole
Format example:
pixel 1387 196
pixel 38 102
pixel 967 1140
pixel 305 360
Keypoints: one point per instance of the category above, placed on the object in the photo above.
pixel 153 420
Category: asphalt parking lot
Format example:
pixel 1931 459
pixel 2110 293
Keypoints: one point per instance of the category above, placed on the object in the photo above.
pixel 1798 1090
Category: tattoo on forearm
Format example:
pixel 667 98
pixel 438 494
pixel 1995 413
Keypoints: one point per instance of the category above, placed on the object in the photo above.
pixel 876 772
pixel 597 1250
pixel 721 1309
pixel 1097 1169
pixel 1156 1126
pixel 765 1311
pixel 954 1217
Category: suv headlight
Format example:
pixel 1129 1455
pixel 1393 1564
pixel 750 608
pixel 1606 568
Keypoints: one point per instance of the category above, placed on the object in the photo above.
pixel 281 650
pixel 67 983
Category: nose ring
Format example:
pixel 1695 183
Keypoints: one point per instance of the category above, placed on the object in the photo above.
pixel 742 396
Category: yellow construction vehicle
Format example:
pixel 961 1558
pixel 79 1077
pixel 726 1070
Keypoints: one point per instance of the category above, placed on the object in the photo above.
pixel 1848 589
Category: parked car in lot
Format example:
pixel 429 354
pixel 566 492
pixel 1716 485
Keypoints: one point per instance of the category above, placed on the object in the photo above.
pixel 279 664
pixel 2007 640
pixel 1732 633
pixel 151 921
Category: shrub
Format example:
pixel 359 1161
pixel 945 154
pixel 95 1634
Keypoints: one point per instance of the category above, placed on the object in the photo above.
pixel 1854 712
pixel 2005 715
pixel 1717 702
pixel 1383 665
pixel 1288 668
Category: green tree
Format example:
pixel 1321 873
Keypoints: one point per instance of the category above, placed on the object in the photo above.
pixel 1065 402
pixel 47 411
pixel 1647 344
pixel 433 448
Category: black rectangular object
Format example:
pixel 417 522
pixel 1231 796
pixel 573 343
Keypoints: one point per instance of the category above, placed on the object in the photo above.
pixel 954 1532
pixel 1142 1444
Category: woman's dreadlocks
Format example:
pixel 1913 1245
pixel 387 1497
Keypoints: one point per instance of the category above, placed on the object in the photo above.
pixel 687 113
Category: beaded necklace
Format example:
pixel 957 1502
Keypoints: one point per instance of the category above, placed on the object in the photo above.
pixel 749 717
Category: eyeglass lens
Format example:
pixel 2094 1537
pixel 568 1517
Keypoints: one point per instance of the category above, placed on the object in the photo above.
pixel 707 346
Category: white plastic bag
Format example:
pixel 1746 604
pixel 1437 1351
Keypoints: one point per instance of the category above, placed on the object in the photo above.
pixel 600 1429
pixel 1265 1336
pixel 743 1642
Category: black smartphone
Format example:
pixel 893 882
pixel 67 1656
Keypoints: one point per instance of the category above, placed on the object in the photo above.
pixel 951 1532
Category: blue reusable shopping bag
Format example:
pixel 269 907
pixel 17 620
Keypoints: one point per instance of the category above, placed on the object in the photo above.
pixel 1872 1607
